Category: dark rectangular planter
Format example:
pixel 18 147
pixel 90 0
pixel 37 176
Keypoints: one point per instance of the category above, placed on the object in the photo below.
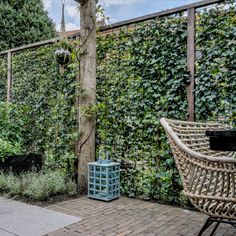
pixel 21 163
pixel 224 140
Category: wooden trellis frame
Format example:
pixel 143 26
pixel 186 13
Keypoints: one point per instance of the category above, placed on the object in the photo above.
pixel 191 51
pixel 10 54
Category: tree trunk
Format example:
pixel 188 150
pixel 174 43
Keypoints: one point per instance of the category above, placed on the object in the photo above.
pixel 87 91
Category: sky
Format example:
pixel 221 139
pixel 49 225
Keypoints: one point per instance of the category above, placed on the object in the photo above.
pixel 116 10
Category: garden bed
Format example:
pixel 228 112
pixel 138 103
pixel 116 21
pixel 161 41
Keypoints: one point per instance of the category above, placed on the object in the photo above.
pixel 37 186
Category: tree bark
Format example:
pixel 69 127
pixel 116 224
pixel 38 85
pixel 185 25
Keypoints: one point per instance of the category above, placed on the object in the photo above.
pixel 87 91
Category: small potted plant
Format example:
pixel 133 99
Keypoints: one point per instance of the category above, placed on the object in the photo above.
pixel 63 55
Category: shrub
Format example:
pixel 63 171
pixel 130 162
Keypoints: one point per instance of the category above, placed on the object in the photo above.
pixel 11 130
pixel 8 148
pixel 23 22
pixel 36 186
pixel 3 183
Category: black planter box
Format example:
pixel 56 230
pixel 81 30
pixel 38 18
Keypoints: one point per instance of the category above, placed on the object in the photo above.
pixel 222 140
pixel 22 163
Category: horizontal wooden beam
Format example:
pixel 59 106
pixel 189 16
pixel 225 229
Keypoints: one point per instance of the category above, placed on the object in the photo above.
pixel 167 12
pixel 32 45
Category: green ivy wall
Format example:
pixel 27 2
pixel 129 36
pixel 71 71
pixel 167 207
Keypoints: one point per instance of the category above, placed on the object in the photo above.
pixel 142 74
pixel 142 77
pixel 216 62
pixel 46 99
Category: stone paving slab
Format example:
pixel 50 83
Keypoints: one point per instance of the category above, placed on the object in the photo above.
pixel 22 219
pixel 5 233
pixel 132 217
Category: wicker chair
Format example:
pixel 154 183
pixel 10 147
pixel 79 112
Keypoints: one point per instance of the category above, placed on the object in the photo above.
pixel 209 177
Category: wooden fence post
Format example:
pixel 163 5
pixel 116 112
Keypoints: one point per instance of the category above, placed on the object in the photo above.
pixel 9 76
pixel 191 62
pixel 87 97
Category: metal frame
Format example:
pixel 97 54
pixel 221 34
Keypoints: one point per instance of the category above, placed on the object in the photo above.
pixel 212 220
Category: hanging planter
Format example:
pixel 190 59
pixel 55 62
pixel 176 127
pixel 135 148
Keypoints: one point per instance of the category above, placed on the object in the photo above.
pixel 62 56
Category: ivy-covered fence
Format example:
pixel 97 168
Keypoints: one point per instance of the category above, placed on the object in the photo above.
pixel 142 76
pixel 48 100
pixel 42 109
pixel 215 90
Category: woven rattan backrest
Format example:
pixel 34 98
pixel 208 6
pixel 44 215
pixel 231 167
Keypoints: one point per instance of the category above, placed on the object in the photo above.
pixel 193 135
